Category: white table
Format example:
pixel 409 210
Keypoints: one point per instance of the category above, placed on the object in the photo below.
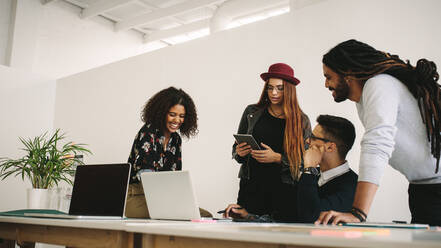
pixel 164 234
pixel 185 234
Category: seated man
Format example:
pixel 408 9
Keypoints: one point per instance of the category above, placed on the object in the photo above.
pixel 331 187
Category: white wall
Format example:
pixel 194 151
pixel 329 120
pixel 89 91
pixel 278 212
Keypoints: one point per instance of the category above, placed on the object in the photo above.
pixel 26 110
pixel 102 106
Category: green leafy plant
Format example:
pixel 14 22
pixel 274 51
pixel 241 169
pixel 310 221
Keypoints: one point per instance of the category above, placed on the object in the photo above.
pixel 44 164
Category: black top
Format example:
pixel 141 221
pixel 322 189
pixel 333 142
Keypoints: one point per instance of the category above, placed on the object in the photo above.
pixel 270 131
pixel 148 152
pixel 250 117
pixel 337 194
pixel 264 185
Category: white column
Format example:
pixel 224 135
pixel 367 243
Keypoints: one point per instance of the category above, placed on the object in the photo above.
pixel 5 19
pixel 23 31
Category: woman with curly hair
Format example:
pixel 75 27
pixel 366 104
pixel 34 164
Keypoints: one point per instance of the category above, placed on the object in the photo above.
pixel 157 146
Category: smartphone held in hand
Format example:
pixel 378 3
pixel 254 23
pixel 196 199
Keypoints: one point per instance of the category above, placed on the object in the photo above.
pixel 247 138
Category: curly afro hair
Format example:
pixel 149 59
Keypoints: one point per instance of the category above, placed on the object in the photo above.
pixel 157 107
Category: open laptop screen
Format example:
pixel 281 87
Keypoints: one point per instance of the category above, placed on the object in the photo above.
pixel 100 190
pixel 170 195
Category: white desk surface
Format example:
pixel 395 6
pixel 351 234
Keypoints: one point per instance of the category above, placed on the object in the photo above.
pixel 289 234
pixel 294 234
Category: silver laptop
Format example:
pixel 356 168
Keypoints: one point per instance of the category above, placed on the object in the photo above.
pixel 170 195
pixel 99 192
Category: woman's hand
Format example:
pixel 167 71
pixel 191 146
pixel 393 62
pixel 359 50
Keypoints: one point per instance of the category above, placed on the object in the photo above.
pixel 235 211
pixel 267 155
pixel 243 149
pixel 334 217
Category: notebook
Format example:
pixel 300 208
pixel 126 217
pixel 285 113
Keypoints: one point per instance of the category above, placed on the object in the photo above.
pixel 170 195
pixel 388 225
pixel 99 192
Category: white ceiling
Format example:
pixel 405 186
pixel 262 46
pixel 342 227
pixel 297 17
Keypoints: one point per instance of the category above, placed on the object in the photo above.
pixel 161 20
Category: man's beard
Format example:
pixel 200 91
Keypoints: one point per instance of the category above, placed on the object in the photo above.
pixel 341 91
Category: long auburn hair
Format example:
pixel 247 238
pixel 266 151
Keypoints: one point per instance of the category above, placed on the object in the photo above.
pixel 358 60
pixel 293 142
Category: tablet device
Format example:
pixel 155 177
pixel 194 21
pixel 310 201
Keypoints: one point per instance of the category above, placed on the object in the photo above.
pixel 247 138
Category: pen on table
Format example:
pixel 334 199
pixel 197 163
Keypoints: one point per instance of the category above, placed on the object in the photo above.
pixel 223 210
pixel 399 222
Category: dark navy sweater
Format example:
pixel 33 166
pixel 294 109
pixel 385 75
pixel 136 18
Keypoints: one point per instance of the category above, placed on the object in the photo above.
pixel 337 194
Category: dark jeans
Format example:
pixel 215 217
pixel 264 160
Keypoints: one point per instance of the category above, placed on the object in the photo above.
pixel 425 203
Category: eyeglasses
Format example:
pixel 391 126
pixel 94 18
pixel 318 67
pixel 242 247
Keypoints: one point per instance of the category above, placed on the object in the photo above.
pixel 279 88
pixel 313 137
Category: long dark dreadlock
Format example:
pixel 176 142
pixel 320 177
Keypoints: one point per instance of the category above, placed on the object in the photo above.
pixel 360 61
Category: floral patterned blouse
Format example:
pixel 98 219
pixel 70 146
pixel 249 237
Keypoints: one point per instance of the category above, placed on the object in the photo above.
pixel 148 153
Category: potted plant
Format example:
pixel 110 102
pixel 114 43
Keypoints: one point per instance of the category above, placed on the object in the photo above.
pixel 45 164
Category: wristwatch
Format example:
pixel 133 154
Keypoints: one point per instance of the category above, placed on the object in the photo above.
pixel 311 170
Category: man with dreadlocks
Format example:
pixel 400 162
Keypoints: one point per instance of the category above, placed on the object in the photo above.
pixel 400 108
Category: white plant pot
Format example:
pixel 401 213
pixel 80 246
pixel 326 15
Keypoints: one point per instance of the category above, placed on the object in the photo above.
pixel 38 198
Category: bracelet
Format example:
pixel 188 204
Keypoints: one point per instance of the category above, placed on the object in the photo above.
pixel 359 211
pixel 354 213
pixel 358 214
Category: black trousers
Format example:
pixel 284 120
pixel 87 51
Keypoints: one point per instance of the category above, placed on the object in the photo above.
pixel 425 203
pixel 276 199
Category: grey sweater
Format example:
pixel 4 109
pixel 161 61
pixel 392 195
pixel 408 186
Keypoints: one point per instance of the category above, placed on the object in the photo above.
pixel 394 133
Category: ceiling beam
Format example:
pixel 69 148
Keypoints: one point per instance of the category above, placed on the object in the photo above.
pixel 99 7
pixel 168 33
pixel 47 1
pixel 298 4
pixel 152 7
pixel 163 13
